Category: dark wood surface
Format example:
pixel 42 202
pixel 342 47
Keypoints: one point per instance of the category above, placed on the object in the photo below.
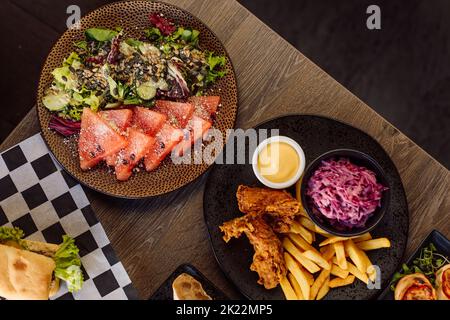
pixel 152 237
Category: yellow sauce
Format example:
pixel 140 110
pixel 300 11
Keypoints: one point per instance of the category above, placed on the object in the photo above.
pixel 278 162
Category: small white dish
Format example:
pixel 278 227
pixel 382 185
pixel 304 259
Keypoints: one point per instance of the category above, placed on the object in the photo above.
pixel 291 181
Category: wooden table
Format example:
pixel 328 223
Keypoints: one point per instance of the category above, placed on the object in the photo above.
pixel 152 237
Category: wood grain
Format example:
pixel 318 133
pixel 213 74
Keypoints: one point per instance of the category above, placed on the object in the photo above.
pixel 152 237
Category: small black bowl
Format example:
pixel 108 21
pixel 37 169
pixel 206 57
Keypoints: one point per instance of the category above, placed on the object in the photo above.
pixel 360 159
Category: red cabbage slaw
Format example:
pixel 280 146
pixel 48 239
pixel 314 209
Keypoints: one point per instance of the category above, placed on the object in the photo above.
pixel 346 194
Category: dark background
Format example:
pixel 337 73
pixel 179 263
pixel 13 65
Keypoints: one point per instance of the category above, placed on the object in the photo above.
pixel 401 71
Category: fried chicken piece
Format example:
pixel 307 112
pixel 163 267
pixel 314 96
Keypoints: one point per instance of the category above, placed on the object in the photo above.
pixel 279 206
pixel 235 227
pixel 268 259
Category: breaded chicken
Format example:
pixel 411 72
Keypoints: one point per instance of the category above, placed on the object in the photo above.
pixel 268 259
pixel 278 206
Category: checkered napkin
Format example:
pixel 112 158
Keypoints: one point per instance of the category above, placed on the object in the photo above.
pixel 40 198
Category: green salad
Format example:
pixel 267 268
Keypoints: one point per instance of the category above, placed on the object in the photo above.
pixel 109 69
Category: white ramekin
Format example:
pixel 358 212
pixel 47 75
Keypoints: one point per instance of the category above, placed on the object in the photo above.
pixel 295 178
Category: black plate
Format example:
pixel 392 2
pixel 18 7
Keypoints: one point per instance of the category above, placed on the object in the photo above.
pixel 316 135
pixel 442 245
pixel 165 291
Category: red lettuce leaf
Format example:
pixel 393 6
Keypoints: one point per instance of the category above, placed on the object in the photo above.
pixel 64 126
pixel 164 25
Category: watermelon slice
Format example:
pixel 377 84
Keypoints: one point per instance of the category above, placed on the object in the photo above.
pixel 178 113
pixel 120 120
pixel 205 106
pixel 139 145
pixel 196 129
pixel 167 139
pixel 149 121
pixel 97 140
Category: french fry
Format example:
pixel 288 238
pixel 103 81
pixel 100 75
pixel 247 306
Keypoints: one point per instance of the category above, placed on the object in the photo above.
pixel 365 259
pixel 308 275
pixel 310 225
pixel 322 232
pixel 356 255
pixel 288 291
pixel 374 244
pixel 340 255
pixel 363 237
pixel 333 239
pixel 328 252
pixel 338 282
pixel 296 287
pixel 339 272
pixel 299 256
pixel 324 289
pixel 299 197
pixel 318 283
pixel 298 274
pixel 298 190
pixel 297 228
pixel 300 242
pixel 317 258
pixel 307 223
pixel 302 211
pixel 372 272
pixel 357 273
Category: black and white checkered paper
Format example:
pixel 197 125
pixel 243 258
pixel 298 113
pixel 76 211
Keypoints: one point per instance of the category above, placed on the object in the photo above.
pixel 40 198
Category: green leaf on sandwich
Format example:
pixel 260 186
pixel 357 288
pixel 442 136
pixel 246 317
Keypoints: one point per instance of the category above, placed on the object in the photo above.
pixel 11 234
pixel 68 264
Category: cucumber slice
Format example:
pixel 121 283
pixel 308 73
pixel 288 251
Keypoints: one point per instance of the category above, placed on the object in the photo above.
pixel 113 105
pixel 146 91
pixel 56 101
pixel 113 90
pixel 186 35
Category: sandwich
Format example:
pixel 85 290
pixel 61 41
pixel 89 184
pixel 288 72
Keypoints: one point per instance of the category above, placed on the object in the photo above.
pixel 415 286
pixel 185 287
pixel 443 283
pixel 32 270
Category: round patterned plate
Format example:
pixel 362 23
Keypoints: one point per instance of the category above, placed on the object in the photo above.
pixel 316 135
pixel 132 16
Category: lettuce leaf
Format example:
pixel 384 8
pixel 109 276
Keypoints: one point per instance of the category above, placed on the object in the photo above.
pixel 83 98
pixel 81 44
pixel 68 264
pixel 71 58
pixel 153 34
pixel 215 63
pixel 73 277
pixel 133 42
pixel 11 234
pixel 101 34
